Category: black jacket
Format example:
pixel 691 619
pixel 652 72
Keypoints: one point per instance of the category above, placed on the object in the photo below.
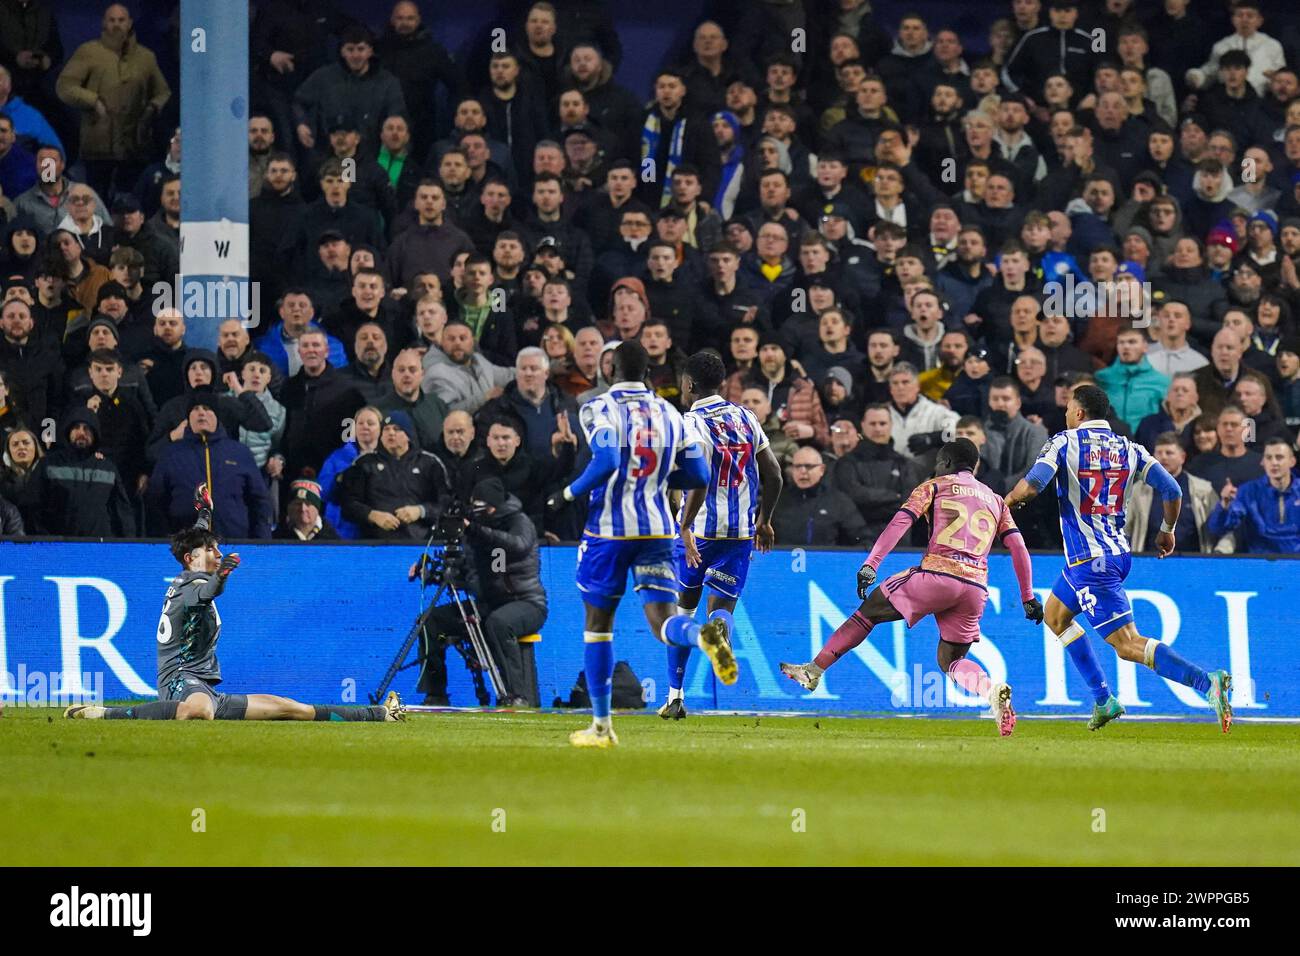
pixel 166 375
pixel 529 478
pixel 124 429
pixel 11 520
pixel 462 470
pixel 81 493
pixel 271 217
pixel 420 63
pixel 34 373
pixel 315 412
pixel 161 260
pixel 1044 51
pixel 343 322
pixel 373 388
pixel 377 481
pixel 233 413
pixel 509 531
pixel 691 322
pixel 817 515
pixel 878 480
pixel 22 492
pixel 360 225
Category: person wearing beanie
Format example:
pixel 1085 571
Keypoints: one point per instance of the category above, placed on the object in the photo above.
pixel 207 454
pixel 103 334
pixel 1221 248
pixel 793 396
pixel 1139 247
pixel 396 492
pixel 624 298
pixel 111 302
pixel 1261 246
pixel 303 515
pixel 241 409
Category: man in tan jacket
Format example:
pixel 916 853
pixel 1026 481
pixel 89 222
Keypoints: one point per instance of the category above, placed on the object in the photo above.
pixel 1191 533
pixel 117 85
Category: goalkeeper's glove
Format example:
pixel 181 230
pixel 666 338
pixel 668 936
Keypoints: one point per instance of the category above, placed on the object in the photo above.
pixel 203 505
pixel 866 578
pixel 920 443
pixel 559 499
pixel 1033 610
pixel 228 564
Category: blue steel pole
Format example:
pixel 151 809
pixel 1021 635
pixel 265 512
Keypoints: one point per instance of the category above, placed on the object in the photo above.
pixel 214 282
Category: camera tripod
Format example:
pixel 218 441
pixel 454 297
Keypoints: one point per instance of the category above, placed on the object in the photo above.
pixel 479 664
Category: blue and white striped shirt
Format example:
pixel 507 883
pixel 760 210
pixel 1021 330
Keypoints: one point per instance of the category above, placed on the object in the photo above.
pixel 1093 470
pixel 647 432
pixel 731 438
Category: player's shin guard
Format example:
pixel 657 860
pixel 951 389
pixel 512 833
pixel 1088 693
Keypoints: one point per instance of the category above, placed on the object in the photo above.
pixel 969 676
pixel 846 637
pixel 154 710
pixel 1077 645
pixel 598 662
pixel 352 712
pixel 1167 663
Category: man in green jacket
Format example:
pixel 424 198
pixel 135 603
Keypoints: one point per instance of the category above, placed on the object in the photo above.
pixel 1132 384
pixel 116 84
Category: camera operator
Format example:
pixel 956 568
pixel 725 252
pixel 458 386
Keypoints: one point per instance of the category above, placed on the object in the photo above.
pixel 501 569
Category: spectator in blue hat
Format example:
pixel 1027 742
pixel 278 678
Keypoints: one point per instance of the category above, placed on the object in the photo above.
pixel 1261 246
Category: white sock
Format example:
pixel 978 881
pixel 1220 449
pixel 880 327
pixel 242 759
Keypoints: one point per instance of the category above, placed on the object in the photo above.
pixel 688 611
pixel 675 693
pixel 602 723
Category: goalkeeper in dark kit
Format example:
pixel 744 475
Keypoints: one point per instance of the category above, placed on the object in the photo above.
pixel 188 631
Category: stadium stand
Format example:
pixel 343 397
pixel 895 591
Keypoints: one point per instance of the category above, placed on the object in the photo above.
pixel 763 166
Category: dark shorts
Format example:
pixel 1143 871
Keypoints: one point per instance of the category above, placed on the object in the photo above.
pixel 225 706
pixel 604 564
pixel 1096 589
pixel 724 564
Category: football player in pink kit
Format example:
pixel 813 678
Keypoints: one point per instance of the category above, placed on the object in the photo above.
pixel 950 583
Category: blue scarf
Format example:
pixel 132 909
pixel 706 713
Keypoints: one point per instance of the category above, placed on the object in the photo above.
pixel 734 160
pixel 650 134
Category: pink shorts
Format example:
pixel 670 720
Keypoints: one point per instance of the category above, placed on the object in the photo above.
pixel 956 605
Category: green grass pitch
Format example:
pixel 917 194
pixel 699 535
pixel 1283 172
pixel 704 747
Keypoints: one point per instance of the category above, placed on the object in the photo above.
pixel 508 789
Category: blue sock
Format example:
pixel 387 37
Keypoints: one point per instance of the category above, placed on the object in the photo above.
pixel 598 658
pixel 1086 663
pixel 681 631
pixel 677 658
pixel 1167 663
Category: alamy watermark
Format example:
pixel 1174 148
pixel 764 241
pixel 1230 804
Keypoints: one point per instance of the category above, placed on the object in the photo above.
pixel 1123 298
pixel 43 688
pixel 196 298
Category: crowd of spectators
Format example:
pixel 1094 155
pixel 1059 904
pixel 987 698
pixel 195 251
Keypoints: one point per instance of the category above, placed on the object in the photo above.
pixel 891 236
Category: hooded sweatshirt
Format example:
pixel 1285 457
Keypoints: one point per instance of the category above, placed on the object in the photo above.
pixel 80 491
pixel 233 413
